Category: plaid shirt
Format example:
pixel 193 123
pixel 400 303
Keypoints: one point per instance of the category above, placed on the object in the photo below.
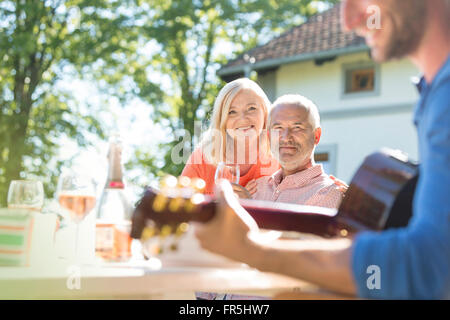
pixel 308 187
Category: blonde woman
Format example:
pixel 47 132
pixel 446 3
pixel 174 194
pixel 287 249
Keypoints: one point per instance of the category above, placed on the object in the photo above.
pixel 237 135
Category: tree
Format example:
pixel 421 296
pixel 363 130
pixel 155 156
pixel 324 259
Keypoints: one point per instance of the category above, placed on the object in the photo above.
pixel 40 43
pixel 119 46
pixel 193 38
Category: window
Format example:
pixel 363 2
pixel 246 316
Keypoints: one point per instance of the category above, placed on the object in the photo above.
pixel 321 157
pixel 360 79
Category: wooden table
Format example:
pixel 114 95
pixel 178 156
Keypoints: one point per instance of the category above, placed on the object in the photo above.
pixel 53 278
pixel 122 281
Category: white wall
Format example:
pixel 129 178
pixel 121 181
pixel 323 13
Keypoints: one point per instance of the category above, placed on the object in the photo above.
pixel 357 125
pixel 357 137
pixel 323 84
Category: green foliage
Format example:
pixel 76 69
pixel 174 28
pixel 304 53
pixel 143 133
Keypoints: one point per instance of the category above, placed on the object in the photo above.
pixel 39 41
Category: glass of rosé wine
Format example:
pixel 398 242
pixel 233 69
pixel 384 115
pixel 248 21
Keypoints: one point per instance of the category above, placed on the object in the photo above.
pixel 76 193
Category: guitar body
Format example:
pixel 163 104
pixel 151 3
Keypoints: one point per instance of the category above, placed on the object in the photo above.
pixel 381 193
pixel 379 197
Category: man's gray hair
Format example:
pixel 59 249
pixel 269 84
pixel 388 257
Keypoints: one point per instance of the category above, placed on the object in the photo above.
pixel 301 101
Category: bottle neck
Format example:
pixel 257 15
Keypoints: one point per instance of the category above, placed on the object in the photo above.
pixel 115 173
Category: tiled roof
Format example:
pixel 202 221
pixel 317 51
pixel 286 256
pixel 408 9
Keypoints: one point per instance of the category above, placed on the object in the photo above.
pixel 322 33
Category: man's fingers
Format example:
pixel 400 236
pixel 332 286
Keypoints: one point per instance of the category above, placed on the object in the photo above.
pixel 252 190
pixel 251 186
pixel 240 191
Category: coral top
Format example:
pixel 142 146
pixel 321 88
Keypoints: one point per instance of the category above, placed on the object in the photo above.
pixel 198 167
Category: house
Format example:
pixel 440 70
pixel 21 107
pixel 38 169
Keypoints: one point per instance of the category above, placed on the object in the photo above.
pixel 363 105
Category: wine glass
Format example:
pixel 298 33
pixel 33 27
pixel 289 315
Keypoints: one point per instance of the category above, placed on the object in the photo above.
pixel 231 173
pixel 228 172
pixel 26 194
pixel 76 194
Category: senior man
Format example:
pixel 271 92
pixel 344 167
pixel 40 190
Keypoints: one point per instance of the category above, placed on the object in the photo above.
pixel 294 133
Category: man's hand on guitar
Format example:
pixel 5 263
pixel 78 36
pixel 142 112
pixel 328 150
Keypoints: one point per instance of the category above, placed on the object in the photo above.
pixel 228 232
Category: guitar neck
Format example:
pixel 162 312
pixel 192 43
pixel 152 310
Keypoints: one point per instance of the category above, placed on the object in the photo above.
pixel 268 215
pixel 281 216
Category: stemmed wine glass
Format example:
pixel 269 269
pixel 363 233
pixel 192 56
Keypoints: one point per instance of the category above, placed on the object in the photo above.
pixel 77 194
pixel 228 172
pixel 26 194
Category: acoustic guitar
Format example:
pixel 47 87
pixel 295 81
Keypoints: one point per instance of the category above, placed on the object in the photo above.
pixel 379 197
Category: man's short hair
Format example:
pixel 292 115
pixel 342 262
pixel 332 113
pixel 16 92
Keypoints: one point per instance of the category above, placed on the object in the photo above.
pixel 301 101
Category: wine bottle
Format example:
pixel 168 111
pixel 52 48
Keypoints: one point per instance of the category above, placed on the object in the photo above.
pixel 113 225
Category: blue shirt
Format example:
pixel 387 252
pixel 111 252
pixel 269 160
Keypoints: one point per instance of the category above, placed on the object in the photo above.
pixel 414 262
